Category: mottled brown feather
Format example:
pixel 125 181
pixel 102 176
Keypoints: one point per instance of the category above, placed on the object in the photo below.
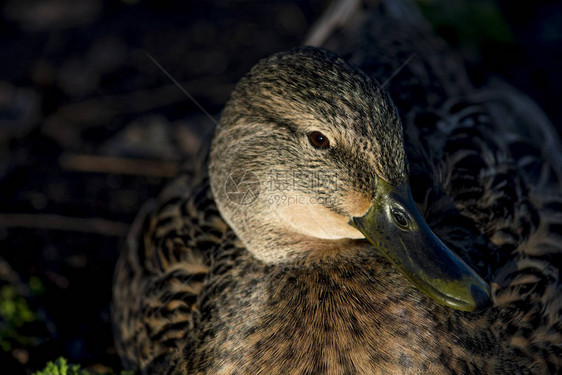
pixel 189 298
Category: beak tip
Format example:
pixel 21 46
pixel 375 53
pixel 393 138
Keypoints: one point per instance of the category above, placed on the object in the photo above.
pixel 480 295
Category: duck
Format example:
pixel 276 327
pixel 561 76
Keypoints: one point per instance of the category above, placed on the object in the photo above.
pixel 340 225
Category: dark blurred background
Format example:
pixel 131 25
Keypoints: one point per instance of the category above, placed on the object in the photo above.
pixel 90 129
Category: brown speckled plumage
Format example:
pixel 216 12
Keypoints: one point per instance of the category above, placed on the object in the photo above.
pixel 195 295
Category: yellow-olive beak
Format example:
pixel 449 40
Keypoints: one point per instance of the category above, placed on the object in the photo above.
pixel 395 227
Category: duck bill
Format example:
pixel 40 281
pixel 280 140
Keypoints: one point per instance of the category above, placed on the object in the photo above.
pixel 396 228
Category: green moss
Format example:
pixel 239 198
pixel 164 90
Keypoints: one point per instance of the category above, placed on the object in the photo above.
pixel 62 367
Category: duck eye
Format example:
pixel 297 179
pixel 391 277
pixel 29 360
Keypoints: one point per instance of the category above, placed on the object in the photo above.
pixel 399 219
pixel 318 140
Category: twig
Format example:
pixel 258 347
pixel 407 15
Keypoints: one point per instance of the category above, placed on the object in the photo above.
pixel 335 17
pixel 114 165
pixel 64 223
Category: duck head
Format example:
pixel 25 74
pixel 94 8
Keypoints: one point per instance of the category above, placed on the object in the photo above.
pixel 309 160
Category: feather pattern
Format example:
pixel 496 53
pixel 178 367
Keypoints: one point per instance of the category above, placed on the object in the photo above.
pixel 484 168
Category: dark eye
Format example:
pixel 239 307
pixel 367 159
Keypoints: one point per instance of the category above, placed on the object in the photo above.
pixel 399 219
pixel 318 140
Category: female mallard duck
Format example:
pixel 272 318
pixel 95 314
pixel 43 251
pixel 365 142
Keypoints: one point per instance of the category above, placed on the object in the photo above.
pixel 304 251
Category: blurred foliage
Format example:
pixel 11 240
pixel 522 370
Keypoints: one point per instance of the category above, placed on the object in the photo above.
pixel 36 286
pixel 16 313
pixel 62 367
pixel 468 24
